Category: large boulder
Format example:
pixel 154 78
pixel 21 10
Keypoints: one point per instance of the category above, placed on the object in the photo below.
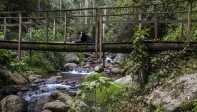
pixel 119 57
pixel 116 70
pixel 69 66
pixel 39 104
pixel 15 77
pixel 125 80
pixel 174 93
pixel 56 106
pixel 98 69
pixel 13 103
pixel 63 97
pixel 46 111
pixel 18 78
pixel 71 58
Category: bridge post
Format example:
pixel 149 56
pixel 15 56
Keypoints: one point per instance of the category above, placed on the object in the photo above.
pixel 54 28
pixel 65 26
pixel 155 21
pixel 46 27
pixel 19 36
pixel 75 28
pixel 4 28
pixel 182 27
pixel 97 33
pixel 140 19
pixel 100 35
pixel 30 53
pixel 189 22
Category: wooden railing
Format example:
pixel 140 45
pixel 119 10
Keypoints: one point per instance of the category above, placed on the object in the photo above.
pixel 96 18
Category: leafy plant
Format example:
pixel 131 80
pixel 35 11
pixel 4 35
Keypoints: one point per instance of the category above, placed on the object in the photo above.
pixel 44 61
pixel 20 66
pixel 100 94
pixel 167 65
pixel 195 106
pixel 135 61
pixel 5 57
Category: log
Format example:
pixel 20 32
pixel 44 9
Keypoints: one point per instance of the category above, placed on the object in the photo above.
pixel 87 47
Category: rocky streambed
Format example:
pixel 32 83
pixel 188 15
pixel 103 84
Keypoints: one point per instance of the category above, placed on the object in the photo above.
pixel 33 93
pixel 41 94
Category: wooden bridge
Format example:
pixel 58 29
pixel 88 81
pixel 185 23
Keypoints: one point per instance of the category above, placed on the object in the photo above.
pixel 72 21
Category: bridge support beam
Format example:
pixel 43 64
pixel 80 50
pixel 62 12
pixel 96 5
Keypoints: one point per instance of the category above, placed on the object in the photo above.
pixel 19 36
pixel 107 47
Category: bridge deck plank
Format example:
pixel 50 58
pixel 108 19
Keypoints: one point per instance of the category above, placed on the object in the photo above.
pixel 152 46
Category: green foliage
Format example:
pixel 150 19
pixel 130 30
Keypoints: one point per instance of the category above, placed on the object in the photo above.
pixel 188 107
pixel 40 63
pixel 139 52
pixel 39 35
pixel 134 62
pixel 163 65
pixel 101 94
pixel 1 34
pixel 169 64
pixel 44 61
pixel 20 66
pixel 80 55
pixel 8 60
pixel 159 110
pixel 5 57
pixel 173 34
pixel 195 106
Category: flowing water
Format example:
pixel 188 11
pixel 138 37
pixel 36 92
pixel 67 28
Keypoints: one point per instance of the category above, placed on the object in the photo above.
pixel 67 84
pixel 44 88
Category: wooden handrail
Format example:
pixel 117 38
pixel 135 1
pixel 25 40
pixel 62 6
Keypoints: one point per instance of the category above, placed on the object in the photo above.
pixel 132 6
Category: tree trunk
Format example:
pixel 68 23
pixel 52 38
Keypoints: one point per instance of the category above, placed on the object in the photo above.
pixel 86 11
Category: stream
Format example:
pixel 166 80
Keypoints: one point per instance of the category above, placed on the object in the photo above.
pixel 66 83
pixel 44 88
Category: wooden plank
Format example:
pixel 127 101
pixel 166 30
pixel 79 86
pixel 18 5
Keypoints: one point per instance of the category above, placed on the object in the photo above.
pixel 46 27
pixel 172 21
pixel 133 6
pixel 65 26
pixel 75 29
pixel 126 14
pixel 129 22
pixel 30 53
pixel 182 28
pixel 19 37
pixel 100 35
pixel 149 21
pixel 54 28
pixel 103 59
pixel 140 19
pixel 145 13
pixel 80 25
pixel 155 22
pixel 4 28
pixel 189 22
pixel 110 22
pixel 9 25
pixel 81 16
pixel 152 46
pixel 146 5
pixel 97 34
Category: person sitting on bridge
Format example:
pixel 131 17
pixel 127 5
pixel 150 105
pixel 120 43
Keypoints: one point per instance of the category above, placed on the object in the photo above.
pixel 83 37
